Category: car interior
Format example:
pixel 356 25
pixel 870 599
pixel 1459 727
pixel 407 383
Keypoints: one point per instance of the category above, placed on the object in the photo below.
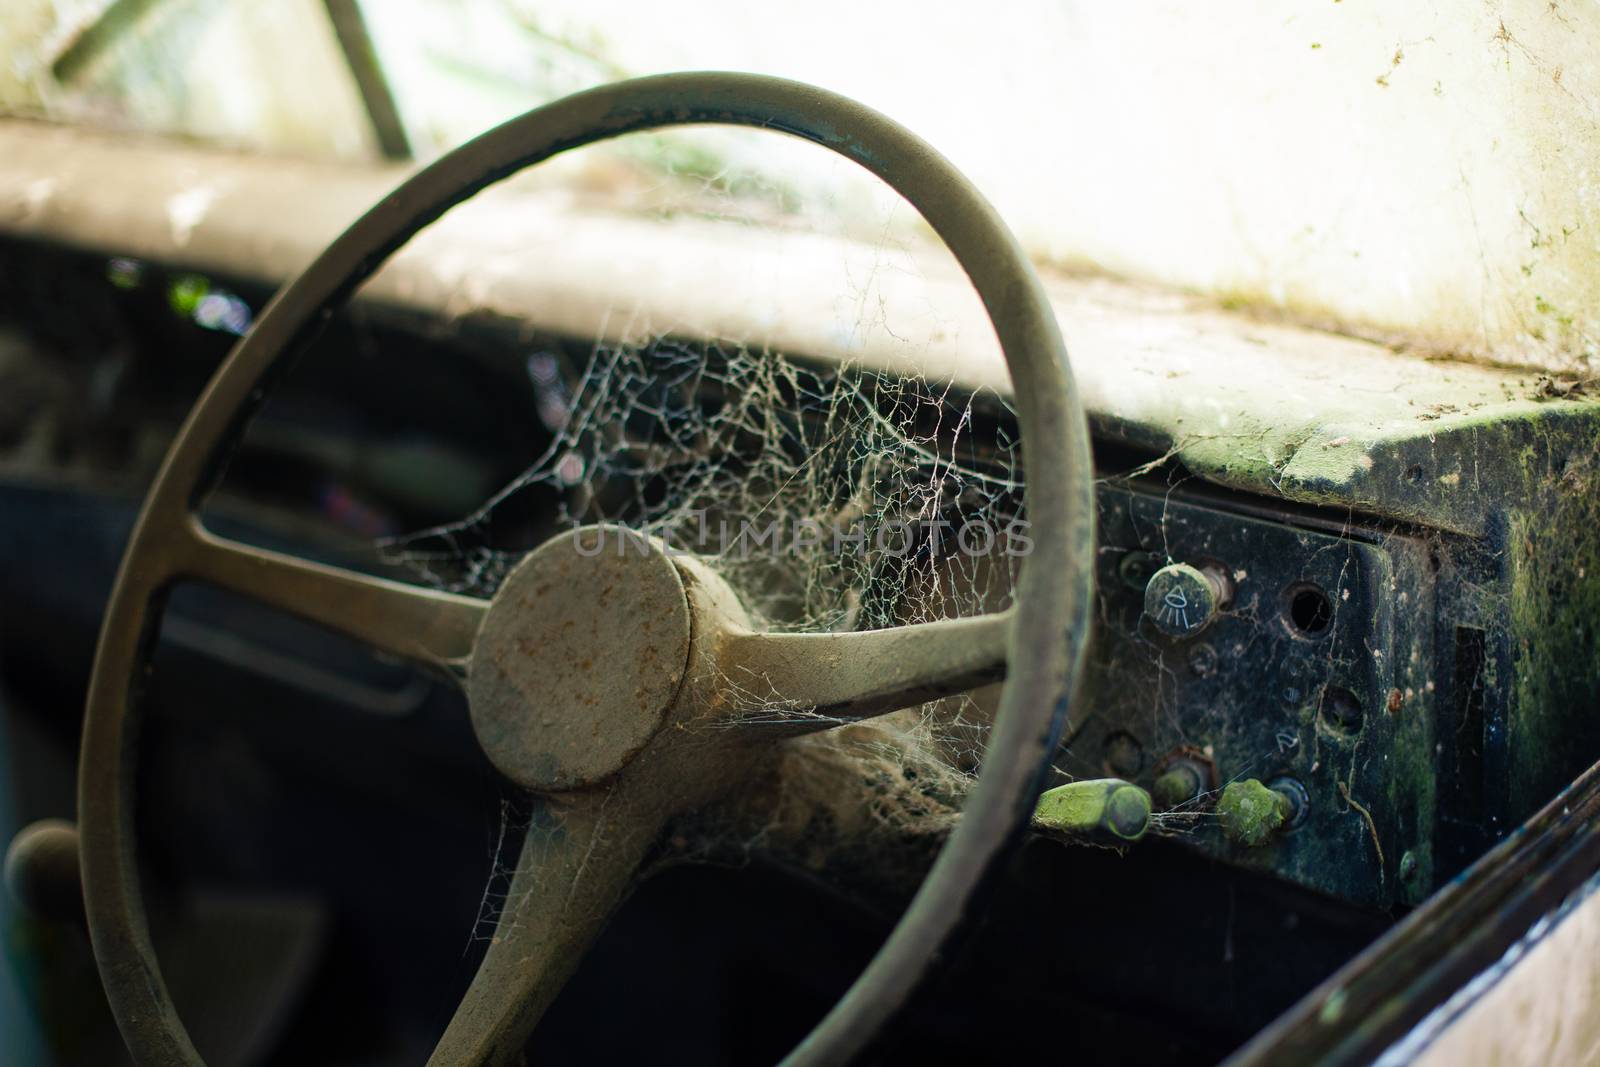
pixel 582 533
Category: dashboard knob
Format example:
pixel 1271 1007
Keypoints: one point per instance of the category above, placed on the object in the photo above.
pixel 1182 600
pixel 1107 810
pixel 41 870
pixel 1251 814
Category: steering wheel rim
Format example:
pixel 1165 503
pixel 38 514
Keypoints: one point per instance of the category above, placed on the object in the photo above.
pixel 1053 592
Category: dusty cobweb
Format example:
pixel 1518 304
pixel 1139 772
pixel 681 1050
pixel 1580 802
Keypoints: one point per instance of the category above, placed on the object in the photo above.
pixel 832 499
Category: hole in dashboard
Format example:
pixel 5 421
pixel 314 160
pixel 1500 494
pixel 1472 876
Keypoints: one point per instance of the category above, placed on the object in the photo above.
pixel 1308 609
pixel 1341 711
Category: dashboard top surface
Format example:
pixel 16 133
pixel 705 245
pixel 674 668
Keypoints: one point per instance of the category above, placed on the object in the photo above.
pixel 1299 413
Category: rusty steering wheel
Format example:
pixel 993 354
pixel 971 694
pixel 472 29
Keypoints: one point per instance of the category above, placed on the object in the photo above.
pixel 610 754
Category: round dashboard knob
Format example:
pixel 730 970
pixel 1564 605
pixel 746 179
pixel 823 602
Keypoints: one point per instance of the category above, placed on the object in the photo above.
pixel 1182 600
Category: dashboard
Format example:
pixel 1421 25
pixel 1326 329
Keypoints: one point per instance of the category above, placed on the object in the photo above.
pixel 1372 603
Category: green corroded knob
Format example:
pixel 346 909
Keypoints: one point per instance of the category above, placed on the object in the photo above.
pixel 1177 787
pixel 1181 600
pixel 1250 813
pixel 1104 809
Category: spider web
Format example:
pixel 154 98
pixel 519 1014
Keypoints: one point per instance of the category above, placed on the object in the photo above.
pixel 831 498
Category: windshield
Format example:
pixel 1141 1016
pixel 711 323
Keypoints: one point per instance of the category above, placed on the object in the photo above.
pixel 1421 176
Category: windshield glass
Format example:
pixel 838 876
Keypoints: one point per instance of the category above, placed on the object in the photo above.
pixel 1420 176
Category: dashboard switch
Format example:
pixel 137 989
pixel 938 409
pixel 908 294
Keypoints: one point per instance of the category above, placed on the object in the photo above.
pixel 1251 814
pixel 1177 787
pixel 1185 779
pixel 1181 600
pixel 1104 810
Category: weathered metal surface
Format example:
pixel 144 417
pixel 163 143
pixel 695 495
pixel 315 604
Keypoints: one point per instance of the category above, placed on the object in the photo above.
pixel 579 860
pixel 1045 635
pixel 1325 620
pixel 817 680
pixel 425 625
pixel 580 655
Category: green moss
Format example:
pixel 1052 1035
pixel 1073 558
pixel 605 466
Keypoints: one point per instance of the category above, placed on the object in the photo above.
pixel 1431 462
pixel 1176 787
pixel 1108 809
pixel 1554 592
pixel 1250 813
pixel 185 292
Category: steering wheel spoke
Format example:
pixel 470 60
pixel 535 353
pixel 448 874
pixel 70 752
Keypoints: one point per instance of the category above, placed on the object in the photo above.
pixel 425 625
pixel 580 857
pixel 799 683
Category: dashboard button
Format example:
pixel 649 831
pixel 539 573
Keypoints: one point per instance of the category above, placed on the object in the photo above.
pixel 1181 600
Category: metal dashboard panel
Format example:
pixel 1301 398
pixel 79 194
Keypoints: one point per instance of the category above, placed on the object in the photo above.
pixel 1327 694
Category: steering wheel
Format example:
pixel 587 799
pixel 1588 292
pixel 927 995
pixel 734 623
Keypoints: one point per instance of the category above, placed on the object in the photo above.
pixel 626 652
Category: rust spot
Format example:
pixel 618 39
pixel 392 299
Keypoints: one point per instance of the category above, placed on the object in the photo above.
pixel 1396 698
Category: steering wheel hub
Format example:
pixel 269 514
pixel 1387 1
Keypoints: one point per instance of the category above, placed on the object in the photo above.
pixel 579 658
